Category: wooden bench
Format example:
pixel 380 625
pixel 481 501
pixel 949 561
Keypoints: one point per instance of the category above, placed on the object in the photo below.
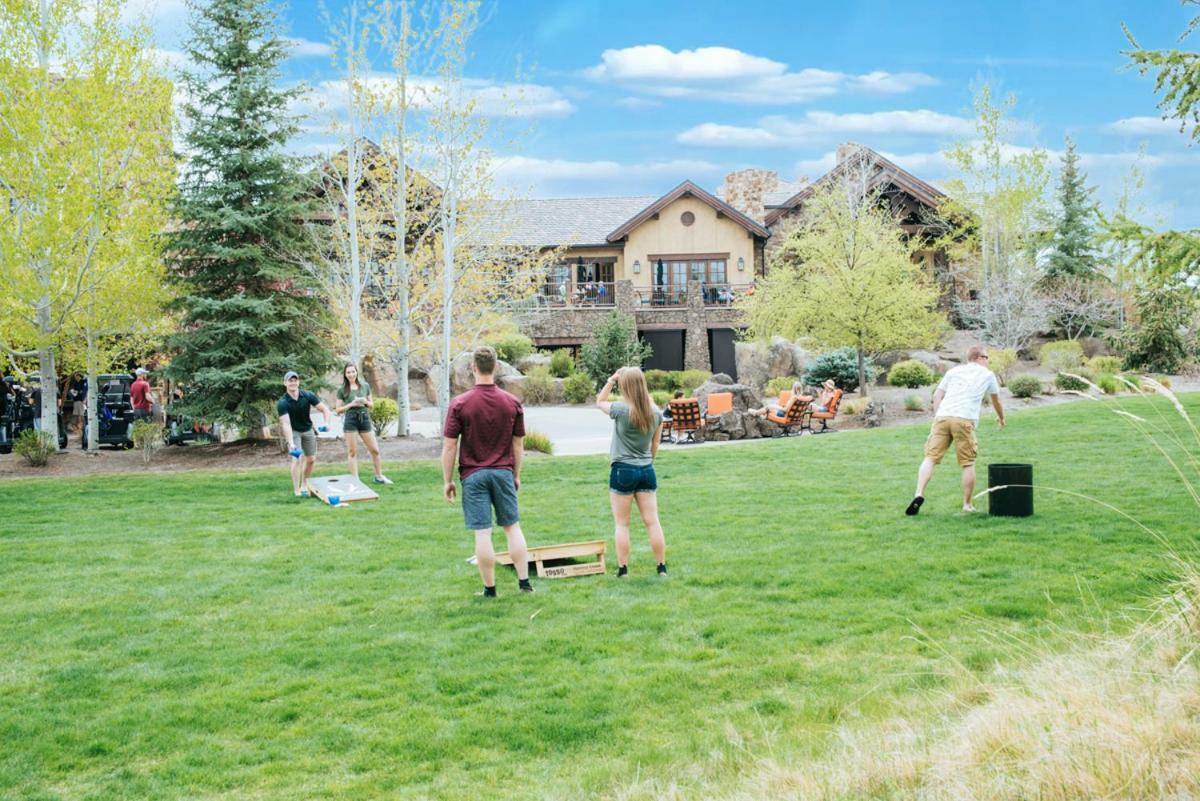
pixel 540 554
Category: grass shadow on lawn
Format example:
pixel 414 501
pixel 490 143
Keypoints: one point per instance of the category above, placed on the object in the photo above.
pixel 207 635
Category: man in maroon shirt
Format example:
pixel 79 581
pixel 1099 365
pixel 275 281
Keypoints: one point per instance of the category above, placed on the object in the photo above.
pixel 140 396
pixel 491 426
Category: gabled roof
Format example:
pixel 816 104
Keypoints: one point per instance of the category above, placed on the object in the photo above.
pixel 688 189
pixel 572 221
pixel 887 172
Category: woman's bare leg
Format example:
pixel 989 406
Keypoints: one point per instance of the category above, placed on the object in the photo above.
pixel 621 507
pixel 648 507
pixel 368 438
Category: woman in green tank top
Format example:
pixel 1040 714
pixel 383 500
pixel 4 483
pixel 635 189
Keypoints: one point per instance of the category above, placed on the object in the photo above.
pixel 355 403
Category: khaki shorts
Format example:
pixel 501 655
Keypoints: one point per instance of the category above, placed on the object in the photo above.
pixel 958 429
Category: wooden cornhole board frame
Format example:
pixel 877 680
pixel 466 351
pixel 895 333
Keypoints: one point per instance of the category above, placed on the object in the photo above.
pixel 544 553
pixel 350 488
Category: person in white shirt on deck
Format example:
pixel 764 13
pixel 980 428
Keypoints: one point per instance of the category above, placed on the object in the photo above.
pixel 956 406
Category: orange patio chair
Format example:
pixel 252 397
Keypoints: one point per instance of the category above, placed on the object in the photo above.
pixel 719 403
pixel 825 417
pixel 686 418
pixel 792 420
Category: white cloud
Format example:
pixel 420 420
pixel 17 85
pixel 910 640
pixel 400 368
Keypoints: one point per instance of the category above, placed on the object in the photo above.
pixel 822 125
pixel 306 48
pixel 1143 126
pixel 638 103
pixel 526 175
pixel 491 99
pixel 726 74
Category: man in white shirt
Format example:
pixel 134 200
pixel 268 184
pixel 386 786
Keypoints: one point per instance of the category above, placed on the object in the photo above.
pixel 955 415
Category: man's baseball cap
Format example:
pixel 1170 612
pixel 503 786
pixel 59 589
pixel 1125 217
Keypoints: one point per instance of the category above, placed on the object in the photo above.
pixel 140 371
pixel 290 374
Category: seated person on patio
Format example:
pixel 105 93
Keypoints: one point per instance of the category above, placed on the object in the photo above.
pixel 666 413
pixel 797 392
pixel 826 396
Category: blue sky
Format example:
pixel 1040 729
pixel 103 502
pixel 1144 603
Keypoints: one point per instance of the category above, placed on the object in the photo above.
pixel 624 97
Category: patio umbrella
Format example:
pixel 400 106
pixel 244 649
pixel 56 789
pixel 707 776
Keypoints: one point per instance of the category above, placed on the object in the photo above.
pixel 580 271
pixel 660 272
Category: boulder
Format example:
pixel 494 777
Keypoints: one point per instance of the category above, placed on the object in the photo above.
pixel 751 363
pixel 873 414
pixel 462 378
pixel 758 363
pixel 933 361
pixel 516 385
pixel 527 363
pixel 730 424
pixel 744 397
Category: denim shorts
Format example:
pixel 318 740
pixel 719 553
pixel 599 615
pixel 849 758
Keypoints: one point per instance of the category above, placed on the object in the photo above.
pixel 628 479
pixel 484 490
pixel 357 420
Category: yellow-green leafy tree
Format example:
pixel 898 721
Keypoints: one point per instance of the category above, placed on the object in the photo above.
pixel 84 172
pixel 845 277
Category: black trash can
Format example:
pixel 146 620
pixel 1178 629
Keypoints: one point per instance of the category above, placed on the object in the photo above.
pixel 1016 500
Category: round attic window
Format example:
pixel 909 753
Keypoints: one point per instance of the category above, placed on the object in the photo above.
pixel 687 218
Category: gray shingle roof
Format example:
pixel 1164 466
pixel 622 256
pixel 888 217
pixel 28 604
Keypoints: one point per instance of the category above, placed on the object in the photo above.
pixel 561 221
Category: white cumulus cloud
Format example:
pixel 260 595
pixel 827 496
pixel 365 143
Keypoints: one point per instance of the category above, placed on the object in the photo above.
pixel 1143 126
pixel 491 99
pixel 818 126
pixel 726 74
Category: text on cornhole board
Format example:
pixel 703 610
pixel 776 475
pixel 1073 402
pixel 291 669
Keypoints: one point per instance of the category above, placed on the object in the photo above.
pixel 540 554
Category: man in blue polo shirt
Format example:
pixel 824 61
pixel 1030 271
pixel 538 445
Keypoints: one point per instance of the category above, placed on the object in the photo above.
pixel 296 424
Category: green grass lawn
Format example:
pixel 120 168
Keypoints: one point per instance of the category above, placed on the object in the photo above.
pixel 205 636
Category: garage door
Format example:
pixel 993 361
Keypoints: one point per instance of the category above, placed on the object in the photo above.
pixel 668 349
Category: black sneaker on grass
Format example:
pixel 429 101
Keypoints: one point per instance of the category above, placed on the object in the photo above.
pixel 622 571
pixel 914 506
pixel 662 569
pixel 524 585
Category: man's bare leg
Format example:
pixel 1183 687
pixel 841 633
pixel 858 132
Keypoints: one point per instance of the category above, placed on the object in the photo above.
pixel 485 557
pixel 518 550
pixel 924 474
pixel 968 484
pixel 297 472
pixel 309 463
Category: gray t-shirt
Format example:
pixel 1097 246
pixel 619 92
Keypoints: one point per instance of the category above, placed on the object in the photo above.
pixel 629 445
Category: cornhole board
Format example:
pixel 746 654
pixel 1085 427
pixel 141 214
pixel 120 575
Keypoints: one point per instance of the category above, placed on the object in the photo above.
pixel 571 550
pixel 350 488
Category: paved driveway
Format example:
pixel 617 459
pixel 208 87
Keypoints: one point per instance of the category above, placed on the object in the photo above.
pixel 574 430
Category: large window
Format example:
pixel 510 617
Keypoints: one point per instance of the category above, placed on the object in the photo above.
pixel 677 272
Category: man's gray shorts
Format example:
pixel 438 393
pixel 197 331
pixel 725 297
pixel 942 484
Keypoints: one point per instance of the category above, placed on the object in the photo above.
pixel 485 489
pixel 305 441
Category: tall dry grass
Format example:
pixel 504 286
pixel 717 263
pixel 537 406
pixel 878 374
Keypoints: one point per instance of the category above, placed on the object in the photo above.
pixel 1107 717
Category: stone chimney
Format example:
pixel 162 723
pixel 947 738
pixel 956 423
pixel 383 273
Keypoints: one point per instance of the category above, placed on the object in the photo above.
pixel 744 191
pixel 846 150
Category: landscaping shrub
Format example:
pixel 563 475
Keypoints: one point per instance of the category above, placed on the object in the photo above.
pixel 780 384
pixel 1157 344
pixel 1059 356
pixel 579 388
pixel 910 373
pixel 1108 384
pixel 688 380
pixel 512 347
pixel 561 363
pixel 913 403
pixel 661 398
pixel 1001 362
pixel 1164 380
pixel 1071 383
pixel 614 345
pixel 660 380
pixel 1024 386
pixel 383 414
pixel 1105 364
pixel 1128 379
pixel 841 365
pixel 537 441
pixel 855 407
pixel 539 387
pixel 35 447
pixel 147 436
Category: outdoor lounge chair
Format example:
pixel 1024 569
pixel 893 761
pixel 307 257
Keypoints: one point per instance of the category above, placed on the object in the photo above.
pixel 686 418
pixel 792 420
pixel 719 403
pixel 825 417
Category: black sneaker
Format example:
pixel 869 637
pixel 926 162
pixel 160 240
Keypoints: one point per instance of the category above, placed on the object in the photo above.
pixel 915 505
pixel 662 569
pixel 622 571
pixel 486 592
pixel 524 586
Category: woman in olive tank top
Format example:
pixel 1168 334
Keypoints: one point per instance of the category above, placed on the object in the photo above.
pixel 355 402
pixel 637 428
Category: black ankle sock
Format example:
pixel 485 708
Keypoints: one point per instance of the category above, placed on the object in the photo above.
pixel 489 592
pixel 662 568
pixel 622 570
pixel 524 585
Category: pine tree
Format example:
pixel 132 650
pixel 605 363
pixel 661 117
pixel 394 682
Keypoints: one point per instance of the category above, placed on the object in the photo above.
pixel 250 308
pixel 1073 243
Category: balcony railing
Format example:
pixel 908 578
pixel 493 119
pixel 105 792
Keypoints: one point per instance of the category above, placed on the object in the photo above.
pixel 662 297
pixel 589 294
pixel 723 294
